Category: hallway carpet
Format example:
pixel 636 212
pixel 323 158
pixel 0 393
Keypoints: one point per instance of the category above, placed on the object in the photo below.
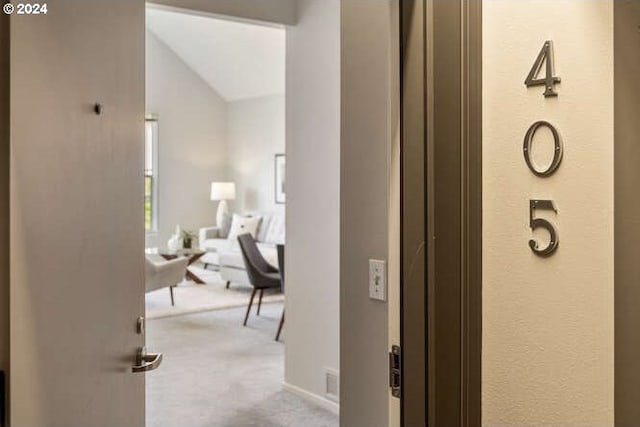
pixel 216 373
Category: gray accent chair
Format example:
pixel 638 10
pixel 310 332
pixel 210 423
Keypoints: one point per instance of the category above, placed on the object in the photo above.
pixel 163 274
pixel 280 249
pixel 262 275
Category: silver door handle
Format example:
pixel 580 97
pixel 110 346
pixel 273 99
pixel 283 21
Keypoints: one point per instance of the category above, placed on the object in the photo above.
pixel 146 361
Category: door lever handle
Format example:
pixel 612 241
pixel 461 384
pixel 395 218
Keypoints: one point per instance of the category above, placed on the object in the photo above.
pixel 146 361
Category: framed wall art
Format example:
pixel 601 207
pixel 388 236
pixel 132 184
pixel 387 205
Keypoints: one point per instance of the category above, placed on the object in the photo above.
pixel 280 181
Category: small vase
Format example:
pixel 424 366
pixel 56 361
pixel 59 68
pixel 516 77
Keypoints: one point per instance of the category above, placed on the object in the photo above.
pixel 186 243
pixel 174 243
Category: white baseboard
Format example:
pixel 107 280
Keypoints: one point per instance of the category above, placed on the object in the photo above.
pixel 314 398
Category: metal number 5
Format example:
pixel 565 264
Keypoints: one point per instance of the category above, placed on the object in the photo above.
pixel 543 223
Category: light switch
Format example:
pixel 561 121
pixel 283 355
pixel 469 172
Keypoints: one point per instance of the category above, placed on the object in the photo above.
pixel 377 280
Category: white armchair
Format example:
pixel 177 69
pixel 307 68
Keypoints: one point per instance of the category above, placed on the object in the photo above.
pixel 206 234
pixel 164 274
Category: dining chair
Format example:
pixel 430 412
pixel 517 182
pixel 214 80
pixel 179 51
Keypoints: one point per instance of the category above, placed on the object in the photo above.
pixel 262 275
pixel 280 249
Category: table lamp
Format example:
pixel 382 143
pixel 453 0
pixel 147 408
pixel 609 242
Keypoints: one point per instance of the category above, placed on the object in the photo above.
pixel 221 192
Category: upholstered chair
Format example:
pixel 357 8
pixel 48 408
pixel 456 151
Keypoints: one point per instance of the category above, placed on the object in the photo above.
pixel 262 275
pixel 163 274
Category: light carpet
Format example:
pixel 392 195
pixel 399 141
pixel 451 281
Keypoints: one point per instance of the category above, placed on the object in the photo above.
pixel 217 373
pixel 193 298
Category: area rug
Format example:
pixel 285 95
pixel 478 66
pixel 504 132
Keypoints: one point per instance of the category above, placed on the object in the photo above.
pixel 193 298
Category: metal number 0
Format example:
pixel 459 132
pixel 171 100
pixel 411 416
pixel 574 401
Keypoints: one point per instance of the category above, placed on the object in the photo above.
pixel 557 150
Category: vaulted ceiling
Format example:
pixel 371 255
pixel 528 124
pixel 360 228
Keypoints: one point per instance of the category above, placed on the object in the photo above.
pixel 238 60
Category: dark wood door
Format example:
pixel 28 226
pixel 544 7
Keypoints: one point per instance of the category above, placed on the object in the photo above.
pixel 627 211
pixel 441 212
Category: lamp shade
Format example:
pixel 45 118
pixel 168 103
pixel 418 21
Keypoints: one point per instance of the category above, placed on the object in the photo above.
pixel 223 191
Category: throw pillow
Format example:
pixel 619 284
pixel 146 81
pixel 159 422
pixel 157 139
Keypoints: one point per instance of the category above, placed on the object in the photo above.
pixel 275 232
pixel 243 224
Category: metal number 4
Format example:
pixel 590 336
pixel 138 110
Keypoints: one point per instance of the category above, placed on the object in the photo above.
pixel 543 223
pixel 544 57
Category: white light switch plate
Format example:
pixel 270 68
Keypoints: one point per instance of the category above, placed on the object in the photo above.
pixel 377 280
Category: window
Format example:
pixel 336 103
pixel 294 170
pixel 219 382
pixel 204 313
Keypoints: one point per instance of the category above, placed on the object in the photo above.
pixel 151 174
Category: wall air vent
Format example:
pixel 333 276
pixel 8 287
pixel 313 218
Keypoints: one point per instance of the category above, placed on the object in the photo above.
pixel 332 385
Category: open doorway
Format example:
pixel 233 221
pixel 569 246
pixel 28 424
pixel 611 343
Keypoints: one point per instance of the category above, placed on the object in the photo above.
pixel 215 169
pixel 88 131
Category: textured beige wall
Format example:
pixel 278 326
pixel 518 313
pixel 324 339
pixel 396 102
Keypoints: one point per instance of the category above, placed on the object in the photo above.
pixel 548 323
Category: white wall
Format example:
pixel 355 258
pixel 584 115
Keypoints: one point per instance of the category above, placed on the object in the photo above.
pixel 255 134
pixel 272 11
pixel 548 323
pixel 369 118
pixel 192 140
pixel 312 330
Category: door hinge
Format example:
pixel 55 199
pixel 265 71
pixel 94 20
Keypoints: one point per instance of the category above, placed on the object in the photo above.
pixel 395 371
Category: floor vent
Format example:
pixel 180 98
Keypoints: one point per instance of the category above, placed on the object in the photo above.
pixel 332 385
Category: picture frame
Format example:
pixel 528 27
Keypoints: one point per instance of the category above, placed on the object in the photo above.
pixel 280 182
